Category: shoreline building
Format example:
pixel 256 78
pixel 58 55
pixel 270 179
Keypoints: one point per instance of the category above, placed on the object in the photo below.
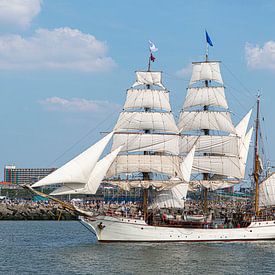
pixel 25 175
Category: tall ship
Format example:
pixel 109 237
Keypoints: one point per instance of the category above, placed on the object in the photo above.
pixel 150 151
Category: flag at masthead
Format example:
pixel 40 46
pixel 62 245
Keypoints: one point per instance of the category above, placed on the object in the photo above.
pixel 208 42
pixel 152 48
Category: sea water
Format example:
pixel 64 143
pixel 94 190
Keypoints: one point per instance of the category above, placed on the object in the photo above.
pixel 52 247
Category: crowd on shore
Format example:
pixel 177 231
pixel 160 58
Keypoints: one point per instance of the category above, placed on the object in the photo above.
pixel 225 210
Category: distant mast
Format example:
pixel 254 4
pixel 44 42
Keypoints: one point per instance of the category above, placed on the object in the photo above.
pixel 256 158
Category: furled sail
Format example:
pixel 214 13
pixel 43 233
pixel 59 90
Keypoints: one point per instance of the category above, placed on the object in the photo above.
pixel 205 96
pixel 133 142
pixel 201 120
pixel 212 184
pixel 267 192
pixel 96 177
pixel 128 184
pixel 77 170
pixel 147 98
pixel 155 121
pixel 148 78
pixel 206 71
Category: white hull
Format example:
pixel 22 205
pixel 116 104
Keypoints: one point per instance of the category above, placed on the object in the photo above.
pixel 112 229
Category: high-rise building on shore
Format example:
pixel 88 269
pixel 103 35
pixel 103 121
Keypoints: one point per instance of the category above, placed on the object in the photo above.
pixel 25 175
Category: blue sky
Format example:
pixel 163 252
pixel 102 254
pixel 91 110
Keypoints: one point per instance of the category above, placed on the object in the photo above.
pixel 65 65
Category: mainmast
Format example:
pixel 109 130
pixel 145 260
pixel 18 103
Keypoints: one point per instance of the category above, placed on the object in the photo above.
pixel 206 133
pixel 221 148
pixel 256 158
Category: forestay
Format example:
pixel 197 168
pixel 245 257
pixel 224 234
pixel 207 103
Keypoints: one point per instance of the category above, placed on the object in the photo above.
pixel 154 99
pixel 205 96
pixel 158 122
pixel 206 71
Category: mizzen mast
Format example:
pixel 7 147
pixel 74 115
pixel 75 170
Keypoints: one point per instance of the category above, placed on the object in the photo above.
pixel 256 158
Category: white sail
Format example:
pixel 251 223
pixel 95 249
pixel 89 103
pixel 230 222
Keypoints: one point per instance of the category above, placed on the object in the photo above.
pixel 186 165
pixel 154 99
pixel 68 188
pixel 267 192
pixel 201 120
pixel 159 122
pixel 169 165
pixel 206 71
pixel 147 142
pixel 205 96
pixel 95 178
pixel 148 78
pixel 172 198
pixel 158 184
pixel 241 128
pixel 226 166
pixel 244 148
pixel 77 170
pixel 224 145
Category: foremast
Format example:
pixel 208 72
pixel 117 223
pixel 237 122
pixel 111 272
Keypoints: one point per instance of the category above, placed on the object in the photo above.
pixel 146 175
pixel 150 138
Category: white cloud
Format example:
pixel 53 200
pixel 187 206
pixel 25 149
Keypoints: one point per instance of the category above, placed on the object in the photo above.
pixel 79 105
pixel 19 13
pixel 261 57
pixel 62 48
pixel 185 72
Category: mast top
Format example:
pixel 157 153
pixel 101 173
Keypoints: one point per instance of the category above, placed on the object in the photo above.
pixel 152 49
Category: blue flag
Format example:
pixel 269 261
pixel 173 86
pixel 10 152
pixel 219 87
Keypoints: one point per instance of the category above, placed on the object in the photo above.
pixel 208 39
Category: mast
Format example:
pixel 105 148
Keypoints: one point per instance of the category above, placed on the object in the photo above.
pixel 256 158
pixel 146 174
pixel 205 175
pixel 206 120
pixel 206 133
